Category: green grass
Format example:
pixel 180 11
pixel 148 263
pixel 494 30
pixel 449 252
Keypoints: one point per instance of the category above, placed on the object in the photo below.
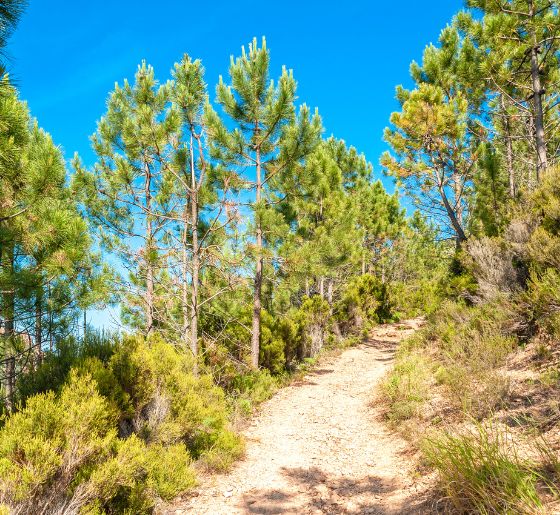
pixel 406 387
pixel 481 472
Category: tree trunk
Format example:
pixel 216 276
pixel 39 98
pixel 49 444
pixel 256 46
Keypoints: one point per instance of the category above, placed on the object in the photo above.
pixel 509 150
pixel 38 349
pixel 50 327
pixel 148 253
pixel 185 285
pixel 540 142
pixel 460 235
pixel 322 287
pixel 10 378
pixel 330 291
pixel 256 329
pixel 8 314
pixel 195 261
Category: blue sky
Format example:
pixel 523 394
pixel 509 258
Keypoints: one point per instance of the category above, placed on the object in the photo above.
pixel 347 56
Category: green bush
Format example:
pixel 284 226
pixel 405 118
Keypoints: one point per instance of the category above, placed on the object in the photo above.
pixel 406 386
pixel 480 472
pixel 314 321
pixel 543 297
pixel 274 342
pixel 365 299
pixel 64 452
pixel 118 435
pixel 53 371
pixel 168 403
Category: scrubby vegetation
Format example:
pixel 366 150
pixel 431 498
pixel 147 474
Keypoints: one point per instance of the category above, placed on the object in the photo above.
pixel 117 435
pixel 481 376
pixel 239 244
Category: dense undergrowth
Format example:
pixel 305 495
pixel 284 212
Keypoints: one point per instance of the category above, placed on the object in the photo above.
pixel 115 424
pixel 474 389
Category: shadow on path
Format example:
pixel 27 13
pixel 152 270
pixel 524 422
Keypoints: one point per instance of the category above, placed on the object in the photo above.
pixel 314 491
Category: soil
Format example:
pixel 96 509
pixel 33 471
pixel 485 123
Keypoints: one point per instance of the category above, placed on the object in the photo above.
pixel 320 446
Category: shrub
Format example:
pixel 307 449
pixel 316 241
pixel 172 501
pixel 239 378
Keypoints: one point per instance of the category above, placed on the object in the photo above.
pixel 543 296
pixel 117 436
pixel 70 352
pixel 364 299
pixel 273 344
pixel 168 403
pixel 223 452
pixel 491 263
pixel 406 386
pixel 51 442
pixel 313 318
pixel 257 386
pixel 480 472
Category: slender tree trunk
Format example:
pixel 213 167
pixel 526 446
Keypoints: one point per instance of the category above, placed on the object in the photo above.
pixel 10 382
pixel 195 261
pixel 38 349
pixel 322 287
pixel 538 92
pixel 185 285
pixel 256 329
pixel 330 291
pixel 8 314
pixel 509 150
pixel 50 327
pixel 307 289
pixel 148 253
pixel 460 235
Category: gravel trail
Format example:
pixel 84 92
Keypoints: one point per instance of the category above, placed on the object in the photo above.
pixel 319 446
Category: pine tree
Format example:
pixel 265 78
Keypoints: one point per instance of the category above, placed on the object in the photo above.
pixel 268 138
pixel 44 242
pixel 128 190
pixel 435 138
pixel 200 198
pixel 520 41
pixel 10 12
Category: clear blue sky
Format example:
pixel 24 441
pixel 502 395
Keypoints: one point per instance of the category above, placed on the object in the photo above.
pixel 347 57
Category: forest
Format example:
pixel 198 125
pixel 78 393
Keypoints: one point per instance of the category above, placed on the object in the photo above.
pixel 241 246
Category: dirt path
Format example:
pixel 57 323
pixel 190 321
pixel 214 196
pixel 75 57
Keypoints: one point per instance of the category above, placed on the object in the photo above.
pixel 319 446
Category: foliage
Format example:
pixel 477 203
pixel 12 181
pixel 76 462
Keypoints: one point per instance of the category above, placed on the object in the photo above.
pixel 120 433
pixel 365 298
pixel 406 387
pixel 63 453
pixel 481 472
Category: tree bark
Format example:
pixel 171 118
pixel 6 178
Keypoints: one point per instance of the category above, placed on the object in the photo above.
pixel 10 382
pixel 540 141
pixel 460 235
pixel 257 288
pixel 509 150
pixel 38 350
pixel 8 314
pixel 195 261
pixel 148 253
pixel 185 285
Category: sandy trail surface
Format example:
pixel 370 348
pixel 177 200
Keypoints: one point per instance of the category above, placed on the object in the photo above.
pixel 320 446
